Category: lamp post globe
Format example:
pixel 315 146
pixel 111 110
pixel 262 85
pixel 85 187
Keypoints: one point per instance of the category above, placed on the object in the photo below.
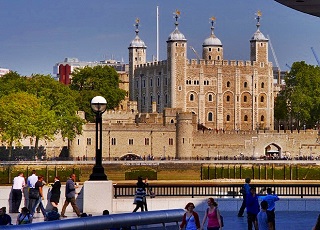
pixel 98 106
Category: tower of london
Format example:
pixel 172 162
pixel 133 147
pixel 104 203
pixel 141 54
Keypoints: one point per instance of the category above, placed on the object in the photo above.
pixel 224 94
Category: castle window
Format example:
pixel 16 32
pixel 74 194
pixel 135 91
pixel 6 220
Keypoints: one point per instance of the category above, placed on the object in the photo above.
pixel 172 121
pixel 166 98
pixel 262 118
pixel 146 141
pixel 136 59
pixel 228 84
pixel 210 116
pixel 262 99
pixel 158 99
pixel 218 49
pixel 197 82
pixel 209 57
pixel 194 82
pixel 189 82
pixel 176 44
pixel 228 98
pixel 158 81
pixel 151 98
pixel 261 64
pixel 137 84
pixel 144 83
pixel 191 97
pixel 88 141
pixel 179 88
pixel 261 44
pixel 218 58
pixel 144 100
pixel 245 84
pixel 210 97
pixel 245 99
pixel 166 81
pixel 170 141
pixel 209 50
pixel 245 118
pixel 262 85
pixel 130 141
pixel 151 82
pixel 113 141
pixel 228 117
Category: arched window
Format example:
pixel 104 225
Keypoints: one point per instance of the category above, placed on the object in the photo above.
pixel 210 116
pixel 218 58
pixel 228 84
pixel 262 85
pixel 262 99
pixel 191 97
pixel 209 57
pixel 245 118
pixel 228 117
pixel 228 98
pixel 210 97
pixel 245 84
pixel 262 118
pixel 245 98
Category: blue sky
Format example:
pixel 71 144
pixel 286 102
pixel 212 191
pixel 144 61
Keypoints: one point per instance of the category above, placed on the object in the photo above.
pixel 36 34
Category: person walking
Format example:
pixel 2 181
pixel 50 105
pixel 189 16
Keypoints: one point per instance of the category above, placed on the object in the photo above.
pixel 190 219
pixel 31 181
pixel 213 215
pixel 55 192
pixel 139 199
pixel 145 186
pixel 70 196
pixel 253 208
pixel 271 198
pixel 18 184
pixel 263 218
pixel 5 219
pixel 244 190
pixel 39 189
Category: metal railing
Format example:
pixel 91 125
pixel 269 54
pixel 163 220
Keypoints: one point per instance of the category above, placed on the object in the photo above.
pixel 229 190
pixel 147 219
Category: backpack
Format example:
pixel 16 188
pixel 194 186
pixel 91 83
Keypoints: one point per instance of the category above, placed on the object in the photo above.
pixel 221 217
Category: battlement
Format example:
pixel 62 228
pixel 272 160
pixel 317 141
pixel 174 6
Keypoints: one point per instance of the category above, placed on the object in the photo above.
pixel 194 62
pixel 152 64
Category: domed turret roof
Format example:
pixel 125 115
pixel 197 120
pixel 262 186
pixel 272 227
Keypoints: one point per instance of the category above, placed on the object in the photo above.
pixel 258 36
pixel 212 40
pixel 176 35
pixel 137 42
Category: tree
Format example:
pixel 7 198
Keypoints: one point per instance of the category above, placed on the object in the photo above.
pixel 302 95
pixel 56 113
pixel 18 112
pixel 97 81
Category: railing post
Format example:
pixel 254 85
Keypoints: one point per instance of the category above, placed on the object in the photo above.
pixel 192 189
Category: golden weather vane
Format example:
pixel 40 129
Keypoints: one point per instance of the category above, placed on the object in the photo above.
pixel 177 12
pixel 259 14
pixel 212 18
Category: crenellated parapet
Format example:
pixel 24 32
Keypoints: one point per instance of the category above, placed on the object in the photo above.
pixel 239 63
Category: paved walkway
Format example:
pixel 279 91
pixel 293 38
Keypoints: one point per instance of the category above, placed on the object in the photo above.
pixel 284 220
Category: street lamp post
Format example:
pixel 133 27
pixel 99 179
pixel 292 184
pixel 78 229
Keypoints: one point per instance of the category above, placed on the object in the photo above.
pixel 98 106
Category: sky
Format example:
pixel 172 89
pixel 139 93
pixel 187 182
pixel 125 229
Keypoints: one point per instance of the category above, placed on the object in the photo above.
pixel 37 34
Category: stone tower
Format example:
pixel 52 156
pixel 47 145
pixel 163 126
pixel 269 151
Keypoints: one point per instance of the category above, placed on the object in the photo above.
pixel 259 45
pixel 137 56
pixel 184 135
pixel 177 60
pixel 212 47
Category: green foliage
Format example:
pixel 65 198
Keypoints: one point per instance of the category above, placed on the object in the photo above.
pixel 143 172
pixel 37 107
pixel 96 81
pixel 300 99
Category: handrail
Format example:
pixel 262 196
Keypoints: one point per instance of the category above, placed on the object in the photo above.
pixel 221 190
pixel 109 221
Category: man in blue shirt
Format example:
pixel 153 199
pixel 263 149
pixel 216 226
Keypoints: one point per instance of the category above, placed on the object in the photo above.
pixel 245 190
pixel 253 208
pixel 271 199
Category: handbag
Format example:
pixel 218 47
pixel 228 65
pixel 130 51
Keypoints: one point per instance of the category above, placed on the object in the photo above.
pixel 34 193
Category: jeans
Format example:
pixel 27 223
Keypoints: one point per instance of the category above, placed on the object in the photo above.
pixel 38 202
pixel 73 204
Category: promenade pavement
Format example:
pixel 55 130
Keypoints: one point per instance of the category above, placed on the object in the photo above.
pixel 284 220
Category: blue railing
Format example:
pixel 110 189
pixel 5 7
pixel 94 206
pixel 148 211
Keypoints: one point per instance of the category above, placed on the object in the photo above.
pixel 215 190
